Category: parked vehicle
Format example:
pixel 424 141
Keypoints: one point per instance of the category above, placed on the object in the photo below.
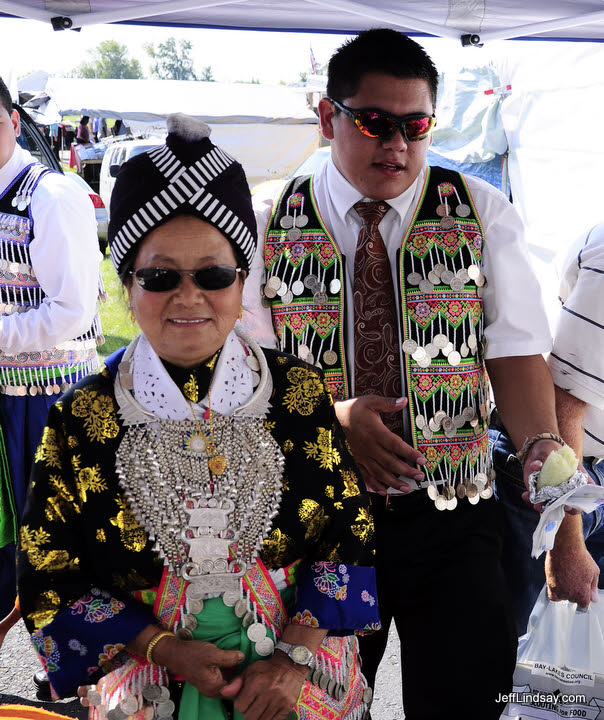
pixel 32 139
pixel 115 155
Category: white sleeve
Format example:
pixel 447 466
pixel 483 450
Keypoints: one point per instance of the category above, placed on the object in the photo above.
pixel 515 321
pixel 65 257
pixel 577 360
pixel 257 320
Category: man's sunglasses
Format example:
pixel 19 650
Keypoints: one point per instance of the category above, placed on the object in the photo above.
pixel 378 124
pixel 160 279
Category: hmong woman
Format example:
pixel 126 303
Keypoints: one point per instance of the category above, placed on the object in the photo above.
pixel 193 507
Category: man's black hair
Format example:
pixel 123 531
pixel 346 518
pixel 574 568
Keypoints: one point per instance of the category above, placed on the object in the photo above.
pixel 380 50
pixel 5 98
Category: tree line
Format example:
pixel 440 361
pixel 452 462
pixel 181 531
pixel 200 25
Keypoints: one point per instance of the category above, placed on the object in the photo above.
pixel 171 60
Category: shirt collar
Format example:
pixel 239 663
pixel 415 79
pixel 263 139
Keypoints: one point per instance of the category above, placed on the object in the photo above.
pixel 344 195
pixel 18 160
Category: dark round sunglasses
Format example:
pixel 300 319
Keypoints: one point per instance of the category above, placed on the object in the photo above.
pixel 160 279
pixel 378 124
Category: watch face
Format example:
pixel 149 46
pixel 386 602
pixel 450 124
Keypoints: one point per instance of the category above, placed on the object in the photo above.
pixel 301 655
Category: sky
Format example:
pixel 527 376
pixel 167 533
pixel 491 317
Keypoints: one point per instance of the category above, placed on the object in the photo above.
pixel 29 45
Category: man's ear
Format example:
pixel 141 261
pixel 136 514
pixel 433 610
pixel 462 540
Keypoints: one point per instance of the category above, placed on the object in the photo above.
pixel 16 121
pixel 326 116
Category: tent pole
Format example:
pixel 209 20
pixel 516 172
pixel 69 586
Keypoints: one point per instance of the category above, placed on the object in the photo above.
pixel 394 18
pixel 17 9
pixel 545 26
pixel 132 12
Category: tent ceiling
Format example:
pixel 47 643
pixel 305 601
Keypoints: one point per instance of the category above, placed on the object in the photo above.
pixel 489 19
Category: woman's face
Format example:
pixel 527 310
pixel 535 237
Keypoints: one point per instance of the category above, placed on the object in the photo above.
pixel 186 325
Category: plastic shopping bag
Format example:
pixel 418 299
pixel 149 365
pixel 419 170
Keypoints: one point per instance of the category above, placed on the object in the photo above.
pixel 560 667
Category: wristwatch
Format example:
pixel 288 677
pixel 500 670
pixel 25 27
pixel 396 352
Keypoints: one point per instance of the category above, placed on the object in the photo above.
pixel 299 654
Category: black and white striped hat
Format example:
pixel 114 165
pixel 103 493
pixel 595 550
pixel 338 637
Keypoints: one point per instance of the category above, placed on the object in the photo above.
pixel 188 175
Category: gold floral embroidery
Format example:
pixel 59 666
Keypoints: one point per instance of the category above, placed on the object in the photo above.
pixel 50 447
pixel 131 533
pixel 322 450
pixel 285 483
pixel 277 548
pixel 98 412
pixel 269 425
pixel 327 391
pixel 76 463
pixel 63 504
pixel 48 606
pixel 363 526
pixel 49 560
pixel 90 480
pixel 350 483
pixel 288 446
pixel 281 360
pixel 334 554
pixel 305 391
pixel 191 389
pixel 72 441
pixel 101 535
pixel 314 518
pixel 329 491
pixel 133 580
pixel 338 505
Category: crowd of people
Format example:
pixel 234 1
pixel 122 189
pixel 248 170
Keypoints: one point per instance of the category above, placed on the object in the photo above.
pixel 223 520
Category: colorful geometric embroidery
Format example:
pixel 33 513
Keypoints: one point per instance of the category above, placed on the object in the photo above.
pixel 466 446
pixel 312 243
pixel 297 317
pixel 169 598
pixel 265 595
pixel 425 382
pixel 423 308
pixel 425 234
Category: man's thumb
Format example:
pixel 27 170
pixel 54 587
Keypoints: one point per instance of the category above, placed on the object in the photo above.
pixel 388 404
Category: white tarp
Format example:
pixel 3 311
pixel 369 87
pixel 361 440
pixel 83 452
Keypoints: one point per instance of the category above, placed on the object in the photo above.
pixel 151 100
pixel 491 19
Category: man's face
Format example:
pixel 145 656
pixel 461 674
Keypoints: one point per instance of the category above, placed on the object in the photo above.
pixel 10 127
pixel 379 169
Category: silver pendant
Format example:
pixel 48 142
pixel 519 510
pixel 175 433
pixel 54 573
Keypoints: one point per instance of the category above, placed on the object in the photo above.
pixel 196 606
pixel 297 287
pixel 409 347
pixel 129 705
pixel 294 234
pixel 256 632
pixel 330 357
pixel 447 223
pixel 462 210
pixel 265 647
pixel 286 222
pixel 414 278
pixel 230 597
pixel 241 607
pixel 301 220
pixel 151 692
pixel 334 286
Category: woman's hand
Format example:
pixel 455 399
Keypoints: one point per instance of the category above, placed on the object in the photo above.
pixel 267 689
pixel 199 663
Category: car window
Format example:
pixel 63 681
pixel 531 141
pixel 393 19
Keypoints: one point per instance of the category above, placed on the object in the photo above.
pixel 28 141
pixel 138 149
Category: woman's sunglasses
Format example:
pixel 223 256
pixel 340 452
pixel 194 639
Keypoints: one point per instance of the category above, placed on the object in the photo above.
pixel 378 124
pixel 159 279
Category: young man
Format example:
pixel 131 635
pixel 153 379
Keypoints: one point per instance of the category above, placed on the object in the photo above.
pixel 406 283
pixel 49 326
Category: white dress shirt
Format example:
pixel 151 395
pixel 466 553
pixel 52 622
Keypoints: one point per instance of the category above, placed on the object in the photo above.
pixel 577 360
pixel 514 318
pixel 65 257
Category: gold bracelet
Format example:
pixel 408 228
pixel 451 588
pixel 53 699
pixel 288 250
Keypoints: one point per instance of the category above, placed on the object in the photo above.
pixel 528 444
pixel 153 642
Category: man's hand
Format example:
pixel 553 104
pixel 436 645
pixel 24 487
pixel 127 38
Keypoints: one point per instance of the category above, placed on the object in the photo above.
pixel 378 452
pixel 270 689
pixel 571 573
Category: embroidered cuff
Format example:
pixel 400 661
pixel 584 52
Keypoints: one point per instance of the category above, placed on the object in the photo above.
pixel 338 597
pixel 80 644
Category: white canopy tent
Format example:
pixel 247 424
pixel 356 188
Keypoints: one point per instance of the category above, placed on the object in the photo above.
pixel 269 129
pixel 475 20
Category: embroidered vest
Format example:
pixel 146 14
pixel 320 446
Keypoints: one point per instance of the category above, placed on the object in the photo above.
pixel 441 287
pixel 45 370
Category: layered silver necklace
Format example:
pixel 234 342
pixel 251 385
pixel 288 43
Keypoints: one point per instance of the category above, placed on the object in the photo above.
pixel 207 527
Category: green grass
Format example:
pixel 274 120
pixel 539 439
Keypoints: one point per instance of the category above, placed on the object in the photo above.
pixel 115 316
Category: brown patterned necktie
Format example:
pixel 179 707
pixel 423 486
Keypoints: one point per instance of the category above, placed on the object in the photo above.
pixel 377 365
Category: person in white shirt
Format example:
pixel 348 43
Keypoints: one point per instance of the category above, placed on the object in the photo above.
pixel 572 568
pixel 406 283
pixel 49 325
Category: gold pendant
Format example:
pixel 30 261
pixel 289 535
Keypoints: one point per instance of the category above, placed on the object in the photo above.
pixel 217 464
